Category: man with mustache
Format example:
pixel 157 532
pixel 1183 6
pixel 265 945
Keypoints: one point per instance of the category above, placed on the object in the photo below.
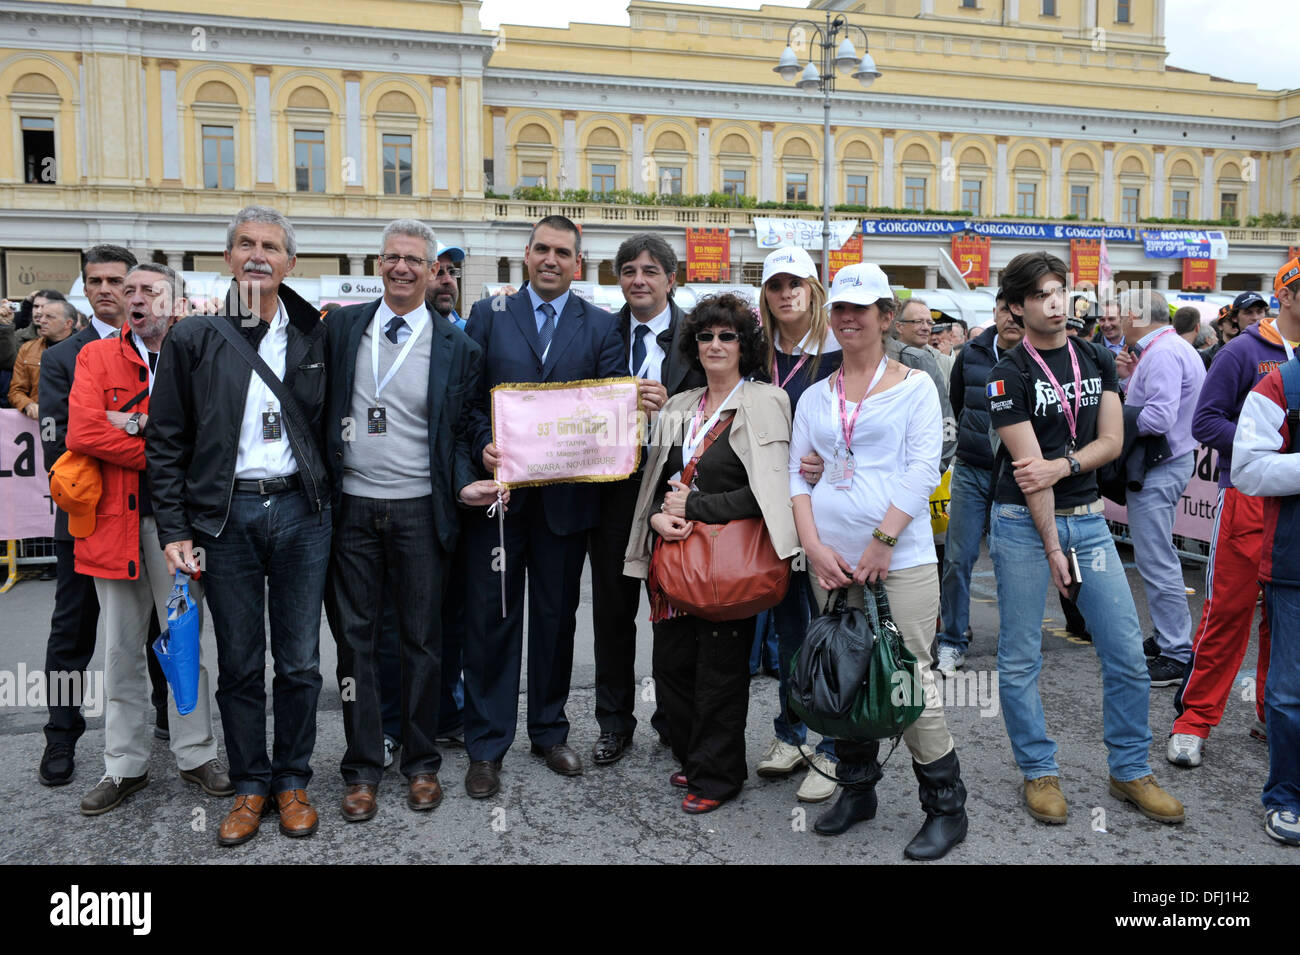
pixel 241 492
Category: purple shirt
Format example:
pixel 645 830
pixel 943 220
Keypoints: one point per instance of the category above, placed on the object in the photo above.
pixel 1166 384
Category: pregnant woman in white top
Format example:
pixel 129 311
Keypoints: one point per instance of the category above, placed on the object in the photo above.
pixel 879 429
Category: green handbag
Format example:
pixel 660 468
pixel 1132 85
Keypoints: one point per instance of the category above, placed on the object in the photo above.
pixel 891 696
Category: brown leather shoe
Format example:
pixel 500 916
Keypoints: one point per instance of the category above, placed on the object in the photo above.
pixel 560 758
pixel 483 779
pixel 359 802
pixel 242 823
pixel 297 814
pixel 425 791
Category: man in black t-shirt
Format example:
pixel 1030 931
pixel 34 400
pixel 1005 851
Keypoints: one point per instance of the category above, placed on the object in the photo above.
pixel 1055 405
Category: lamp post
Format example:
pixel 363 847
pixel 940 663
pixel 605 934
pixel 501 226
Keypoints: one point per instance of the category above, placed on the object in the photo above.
pixel 829 44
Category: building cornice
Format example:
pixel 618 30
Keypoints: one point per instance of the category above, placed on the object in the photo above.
pixel 531 89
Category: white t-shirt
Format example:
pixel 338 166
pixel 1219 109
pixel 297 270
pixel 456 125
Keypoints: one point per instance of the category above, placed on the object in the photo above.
pixel 897 441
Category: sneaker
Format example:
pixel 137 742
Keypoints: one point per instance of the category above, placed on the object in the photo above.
pixel 1165 671
pixel 1150 649
pixel 1152 801
pixel 1259 731
pixel 390 747
pixel 781 759
pixel 816 787
pixel 1185 750
pixel 1283 825
pixel 57 764
pixel 109 793
pixel 950 659
pixel 1044 800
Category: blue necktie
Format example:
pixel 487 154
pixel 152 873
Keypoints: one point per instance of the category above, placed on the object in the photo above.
pixel 638 346
pixel 394 324
pixel 548 326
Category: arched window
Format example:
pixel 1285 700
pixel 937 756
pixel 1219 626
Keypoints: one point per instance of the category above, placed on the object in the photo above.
pixel 36 102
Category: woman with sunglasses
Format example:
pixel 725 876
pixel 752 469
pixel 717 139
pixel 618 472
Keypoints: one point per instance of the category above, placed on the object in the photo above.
pixel 878 426
pixel 800 352
pixel 738 433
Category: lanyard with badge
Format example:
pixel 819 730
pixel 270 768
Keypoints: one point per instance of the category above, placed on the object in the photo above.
pixel 377 415
pixel 843 465
pixel 272 424
pixel 1071 413
pixel 695 434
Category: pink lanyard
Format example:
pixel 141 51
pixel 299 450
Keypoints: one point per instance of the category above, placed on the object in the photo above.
pixel 776 376
pixel 1071 414
pixel 846 422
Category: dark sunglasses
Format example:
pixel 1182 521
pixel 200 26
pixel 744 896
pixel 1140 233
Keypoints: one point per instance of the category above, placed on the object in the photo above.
pixel 725 337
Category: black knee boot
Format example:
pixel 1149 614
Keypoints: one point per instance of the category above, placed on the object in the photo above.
pixel 943 797
pixel 857 802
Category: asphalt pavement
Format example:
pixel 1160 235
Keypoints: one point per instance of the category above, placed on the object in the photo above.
pixel 628 812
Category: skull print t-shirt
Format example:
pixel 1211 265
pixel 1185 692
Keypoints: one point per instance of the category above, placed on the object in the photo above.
pixel 1018 391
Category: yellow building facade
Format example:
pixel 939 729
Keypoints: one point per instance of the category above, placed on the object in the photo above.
pixel 149 124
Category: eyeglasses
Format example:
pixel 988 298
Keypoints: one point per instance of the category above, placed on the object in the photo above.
pixel 414 261
pixel 725 337
pixel 915 321
pixel 451 272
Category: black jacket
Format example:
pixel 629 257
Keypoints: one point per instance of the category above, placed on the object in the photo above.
pixel 197 408
pixel 967 389
pixel 676 374
pixel 455 369
pixel 58 364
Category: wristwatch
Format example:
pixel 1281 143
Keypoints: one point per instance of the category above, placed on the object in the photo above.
pixel 132 425
pixel 1075 468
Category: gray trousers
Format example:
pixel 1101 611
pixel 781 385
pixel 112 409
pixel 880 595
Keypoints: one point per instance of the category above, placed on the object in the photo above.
pixel 128 713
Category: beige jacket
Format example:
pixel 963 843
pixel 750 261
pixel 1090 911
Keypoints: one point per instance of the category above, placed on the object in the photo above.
pixel 760 436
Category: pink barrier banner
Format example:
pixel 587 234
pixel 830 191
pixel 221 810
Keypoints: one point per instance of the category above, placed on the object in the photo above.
pixel 1194 518
pixel 25 506
pixel 566 432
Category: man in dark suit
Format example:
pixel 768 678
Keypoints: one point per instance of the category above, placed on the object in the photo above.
pixel 397 442
pixel 76 608
pixel 541 334
pixel 649 327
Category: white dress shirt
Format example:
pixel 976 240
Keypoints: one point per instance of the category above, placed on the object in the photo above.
pixel 257 458
pixel 104 329
pixel 655 355
pixel 412 320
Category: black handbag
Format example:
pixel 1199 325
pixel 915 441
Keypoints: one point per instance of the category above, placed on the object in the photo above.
pixel 853 678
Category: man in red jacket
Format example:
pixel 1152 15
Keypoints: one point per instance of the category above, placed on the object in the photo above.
pixel 108 410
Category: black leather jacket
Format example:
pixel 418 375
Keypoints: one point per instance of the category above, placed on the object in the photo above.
pixel 197 408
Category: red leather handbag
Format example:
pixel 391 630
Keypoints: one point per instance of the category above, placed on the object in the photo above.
pixel 719 571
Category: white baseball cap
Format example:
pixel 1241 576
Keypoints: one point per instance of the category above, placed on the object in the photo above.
pixel 790 260
pixel 861 284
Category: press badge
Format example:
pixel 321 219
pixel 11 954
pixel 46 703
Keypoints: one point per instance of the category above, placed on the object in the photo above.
pixel 271 428
pixel 844 477
pixel 377 420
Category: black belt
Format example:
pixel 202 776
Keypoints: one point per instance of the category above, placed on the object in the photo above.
pixel 269 485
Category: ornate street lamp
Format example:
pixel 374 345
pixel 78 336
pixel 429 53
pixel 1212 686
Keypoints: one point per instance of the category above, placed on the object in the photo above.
pixel 832 48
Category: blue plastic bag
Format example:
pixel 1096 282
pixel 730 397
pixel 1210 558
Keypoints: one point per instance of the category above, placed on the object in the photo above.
pixel 177 648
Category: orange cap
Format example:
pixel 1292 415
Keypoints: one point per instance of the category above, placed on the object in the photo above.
pixel 1286 274
pixel 76 486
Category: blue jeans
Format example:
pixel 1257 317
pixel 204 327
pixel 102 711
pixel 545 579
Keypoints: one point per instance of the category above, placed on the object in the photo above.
pixel 1282 699
pixel 1023 582
pixel 1151 524
pixel 968 517
pixel 762 653
pixel 273 555
pixel 791 616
